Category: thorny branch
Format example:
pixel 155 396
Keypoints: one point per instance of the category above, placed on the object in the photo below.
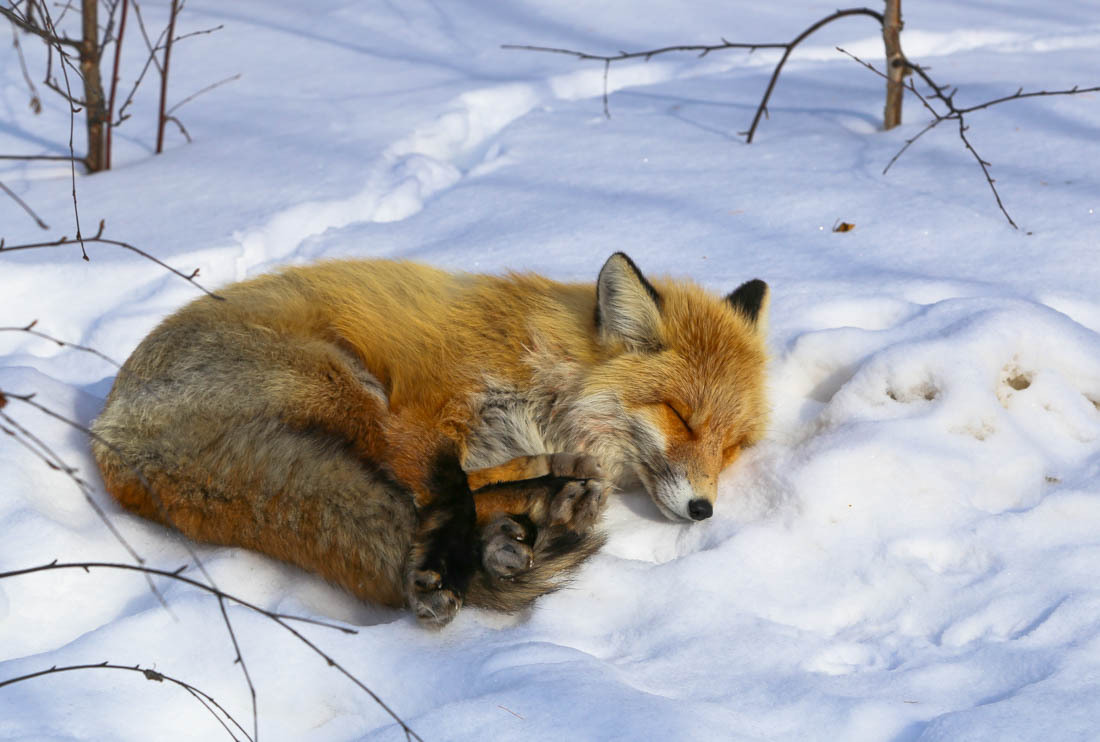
pixel 946 97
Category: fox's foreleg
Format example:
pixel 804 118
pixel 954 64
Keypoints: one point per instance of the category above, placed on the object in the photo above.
pixel 537 516
pixel 506 544
pixel 446 550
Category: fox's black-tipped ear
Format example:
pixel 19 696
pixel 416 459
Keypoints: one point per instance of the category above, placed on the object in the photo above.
pixel 750 299
pixel 628 308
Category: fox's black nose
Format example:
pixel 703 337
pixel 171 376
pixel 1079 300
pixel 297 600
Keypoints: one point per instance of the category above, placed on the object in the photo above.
pixel 700 509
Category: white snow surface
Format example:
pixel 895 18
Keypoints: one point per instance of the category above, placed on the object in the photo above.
pixel 912 554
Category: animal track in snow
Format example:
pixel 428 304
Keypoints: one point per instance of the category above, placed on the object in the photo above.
pixel 431 159
pixel 985 370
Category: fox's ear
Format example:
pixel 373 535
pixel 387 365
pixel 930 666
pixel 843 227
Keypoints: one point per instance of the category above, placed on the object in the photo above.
pixel 628 308
pixel 750 299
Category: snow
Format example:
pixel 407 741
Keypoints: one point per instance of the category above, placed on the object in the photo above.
pixel 912 554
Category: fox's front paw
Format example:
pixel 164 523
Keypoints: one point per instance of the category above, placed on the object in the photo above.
pixel 506 547
pixel 578 504
pixel 574 466
pixel 435 605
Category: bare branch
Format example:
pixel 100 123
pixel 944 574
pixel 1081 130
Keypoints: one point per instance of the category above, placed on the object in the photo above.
pixel 50 35
pixel 100 239
pixel 72 124
pixel 58 157
pixel 29 329
pixel 179 124
pixel 704 49
pixel 1020 95
pixel 162 119
pixel 23 203
pixel 280 619
pixel 114 81
pixel 149 45
pixel 762 108
pixel 53 460
pixel 197 93
pixel 946 97
pixel 203 32
pixel 985 170
pixel 908 142
pixel 157 676
pixel 36 102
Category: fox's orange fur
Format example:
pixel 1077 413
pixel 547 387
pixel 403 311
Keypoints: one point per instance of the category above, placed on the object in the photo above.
pixel 330 416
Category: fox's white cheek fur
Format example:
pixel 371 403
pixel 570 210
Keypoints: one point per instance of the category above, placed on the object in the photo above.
pixel 673 497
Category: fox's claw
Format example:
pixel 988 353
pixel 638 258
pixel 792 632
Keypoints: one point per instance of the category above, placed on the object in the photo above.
pixel 435 606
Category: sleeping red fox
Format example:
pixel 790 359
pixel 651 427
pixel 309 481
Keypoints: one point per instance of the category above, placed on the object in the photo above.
pixel 430 439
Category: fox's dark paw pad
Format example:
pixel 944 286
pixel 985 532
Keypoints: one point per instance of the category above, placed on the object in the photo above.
pixel 434 605
pixel 577 505
pixel 574 466
pixel 505 552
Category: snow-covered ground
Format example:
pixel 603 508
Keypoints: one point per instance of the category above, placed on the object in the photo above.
pixel 913 554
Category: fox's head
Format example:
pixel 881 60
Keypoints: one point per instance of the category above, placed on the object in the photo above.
pixel 687 368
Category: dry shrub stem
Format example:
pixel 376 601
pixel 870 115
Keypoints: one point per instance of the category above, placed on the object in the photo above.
pixel 946 97
pixel 703 50
pixel 83 56
pixel 280 619
pixel 98 238
pixel 216 709
pixel 52 459
pixel 898 67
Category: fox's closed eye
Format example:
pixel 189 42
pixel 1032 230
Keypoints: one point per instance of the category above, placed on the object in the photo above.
pixel 681 417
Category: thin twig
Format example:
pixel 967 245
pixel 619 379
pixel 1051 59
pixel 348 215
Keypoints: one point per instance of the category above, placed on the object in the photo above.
pixel 50 36
pixel 100 239
pixel 157 676
pixel 53 460
pixel 703 50
pixel 114 81
pixel 62 158
pixel 36 102
pixel 29 329
pixel 197 93
pixel 29 400
pixel 203 32
pixel 763 107
pixel 149 60
pixel 244 668
pixel 72 124
pixel 23 203
pixel 162 119
pixel 955 113
pixel 182 128
pixel 280 619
